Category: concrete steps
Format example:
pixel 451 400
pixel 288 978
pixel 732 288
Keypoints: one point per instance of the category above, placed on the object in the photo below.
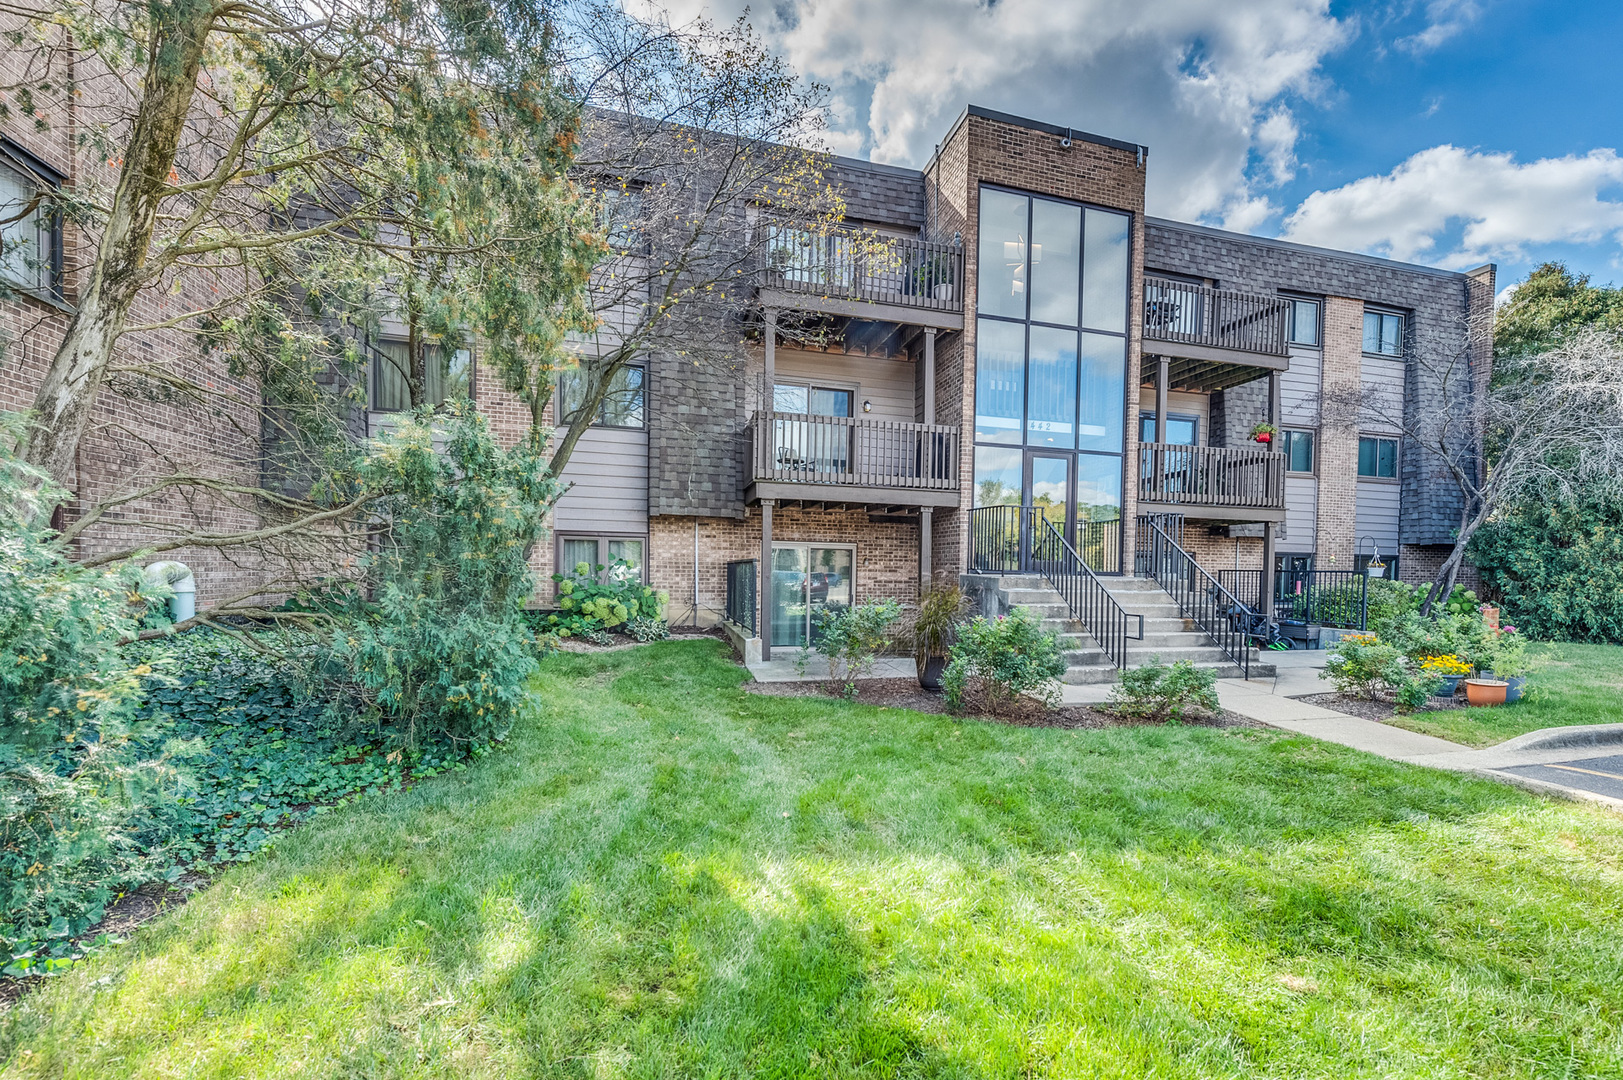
pixel 1167 633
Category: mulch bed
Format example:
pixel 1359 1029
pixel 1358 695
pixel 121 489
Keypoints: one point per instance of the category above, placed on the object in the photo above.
pixel 908 694
pixel 123 917
pixel 1379 711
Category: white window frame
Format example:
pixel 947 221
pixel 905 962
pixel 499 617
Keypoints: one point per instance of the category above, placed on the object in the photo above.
pixel 603 539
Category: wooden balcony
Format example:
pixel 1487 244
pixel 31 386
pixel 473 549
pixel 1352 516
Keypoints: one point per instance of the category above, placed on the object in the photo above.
pixel 1215 326
pixel 846 460
pixel 864 275
pixel 1219 483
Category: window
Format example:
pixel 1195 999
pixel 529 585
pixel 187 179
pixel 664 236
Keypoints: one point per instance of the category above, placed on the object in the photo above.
pixel 811 400
pixel 622 404
pixel 595 557
pixel 1305 322
pixel 449 375
pixel 30 234
pixel 1298 448
pixel 1181 430
pixel 1378 458
pixel 1383 333
pixel 622 216
pixel 1051 358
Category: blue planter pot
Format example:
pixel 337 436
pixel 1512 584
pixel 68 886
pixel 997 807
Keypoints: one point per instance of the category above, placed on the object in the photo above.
pixel 1446 685
pixel 1513 692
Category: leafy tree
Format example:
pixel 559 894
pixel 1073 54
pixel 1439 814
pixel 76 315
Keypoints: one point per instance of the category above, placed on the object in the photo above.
pixel 1550 305
pixel 1551 557
pixel 317 170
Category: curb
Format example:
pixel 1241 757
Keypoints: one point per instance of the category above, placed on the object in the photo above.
pixel 1563 738
pixel 1544 787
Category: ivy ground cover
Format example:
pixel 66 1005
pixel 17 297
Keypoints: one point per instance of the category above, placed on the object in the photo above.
pixel 1571 684
pixel 662 876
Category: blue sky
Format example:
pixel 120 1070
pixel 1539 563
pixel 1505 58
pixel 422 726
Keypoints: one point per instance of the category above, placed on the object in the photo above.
pixel 1448 132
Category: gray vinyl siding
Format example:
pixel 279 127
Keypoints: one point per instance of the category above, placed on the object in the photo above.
pixel 1377 515
pixel 1382 381
pixel 1299 388
pixel 1301 513
pixel 609 469
pixel 889 384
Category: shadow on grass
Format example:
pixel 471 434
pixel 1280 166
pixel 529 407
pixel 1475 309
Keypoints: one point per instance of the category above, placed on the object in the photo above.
pixel 666 876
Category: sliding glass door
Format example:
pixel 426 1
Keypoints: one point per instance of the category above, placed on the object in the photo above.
pixel 807 580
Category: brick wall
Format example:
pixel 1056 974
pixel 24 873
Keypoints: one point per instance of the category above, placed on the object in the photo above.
pixel 139 429
pixel 887 555
pixel 1341 380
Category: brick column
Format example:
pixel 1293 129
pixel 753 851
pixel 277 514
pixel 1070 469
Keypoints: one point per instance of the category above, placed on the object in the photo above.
pixel 1340 387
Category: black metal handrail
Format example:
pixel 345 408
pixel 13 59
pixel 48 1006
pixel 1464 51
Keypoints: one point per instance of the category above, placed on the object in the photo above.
pixel 741 578
pixel 1200 597
pixel 1338 598
pixel 1022 539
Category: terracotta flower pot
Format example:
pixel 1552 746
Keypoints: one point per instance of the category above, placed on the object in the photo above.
pixel 1486 691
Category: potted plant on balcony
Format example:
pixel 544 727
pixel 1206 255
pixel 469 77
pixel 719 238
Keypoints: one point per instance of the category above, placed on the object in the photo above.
pixel 932 277
pixel 941 609
pixel 1264 433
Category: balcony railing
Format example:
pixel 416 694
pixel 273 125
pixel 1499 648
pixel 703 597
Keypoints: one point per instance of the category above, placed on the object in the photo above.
pixel 1177 311
pixel 853 265
pixel 1240 477
pixel 850 452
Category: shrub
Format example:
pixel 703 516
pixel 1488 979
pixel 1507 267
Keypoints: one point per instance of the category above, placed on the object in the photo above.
pixel 1557 568
pixel 1361 665
pixel 83 814
pixel 1390 600
pixel 647 628
pixel 1507 653
pixel 852 638
pixel 1157 691
pixel 1001 659
pixel 443 648
pixel 1464 636
pixel 602 598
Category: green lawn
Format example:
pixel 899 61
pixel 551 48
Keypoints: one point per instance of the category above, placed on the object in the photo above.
pixel 663 876
pixel 1578 684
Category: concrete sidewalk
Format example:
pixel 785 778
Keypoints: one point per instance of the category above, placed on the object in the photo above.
pixel 1271 702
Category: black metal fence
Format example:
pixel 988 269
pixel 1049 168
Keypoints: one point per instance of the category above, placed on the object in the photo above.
pixel 1338 598
pixel 1200 597
pixel 741 579
pixel 1022 540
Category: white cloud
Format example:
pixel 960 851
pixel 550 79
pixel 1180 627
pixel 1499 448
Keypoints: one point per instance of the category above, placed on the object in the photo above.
pixel 1495 205
pixel 1444 19
pixel 1203 84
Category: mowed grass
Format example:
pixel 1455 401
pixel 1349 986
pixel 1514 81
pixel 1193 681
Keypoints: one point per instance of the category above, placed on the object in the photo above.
pixel 665 877
pixel 1576 684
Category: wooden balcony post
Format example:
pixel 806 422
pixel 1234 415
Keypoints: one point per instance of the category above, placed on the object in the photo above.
pixel 929 375
pixel 926 524
pixel 1163 376
pixel 770 317
pixel 1274 410
pixel 1266 600
pixel 765 591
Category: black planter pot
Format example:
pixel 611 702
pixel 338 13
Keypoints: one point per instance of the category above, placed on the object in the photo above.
pixel 930 673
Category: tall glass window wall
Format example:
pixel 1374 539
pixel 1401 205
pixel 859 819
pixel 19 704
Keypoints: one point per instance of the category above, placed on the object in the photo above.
pixel 1051 365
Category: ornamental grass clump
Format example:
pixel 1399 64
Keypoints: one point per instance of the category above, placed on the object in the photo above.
pixel 1002 659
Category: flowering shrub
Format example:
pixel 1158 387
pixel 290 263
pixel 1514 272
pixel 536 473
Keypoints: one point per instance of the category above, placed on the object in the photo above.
pixel 602 598
pixel 1003 658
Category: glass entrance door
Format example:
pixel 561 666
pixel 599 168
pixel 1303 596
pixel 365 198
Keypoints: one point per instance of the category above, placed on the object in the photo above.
pixel 808 580
pixel 1049 491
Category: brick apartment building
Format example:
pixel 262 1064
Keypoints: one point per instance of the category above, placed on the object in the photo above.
pixel 1025 337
